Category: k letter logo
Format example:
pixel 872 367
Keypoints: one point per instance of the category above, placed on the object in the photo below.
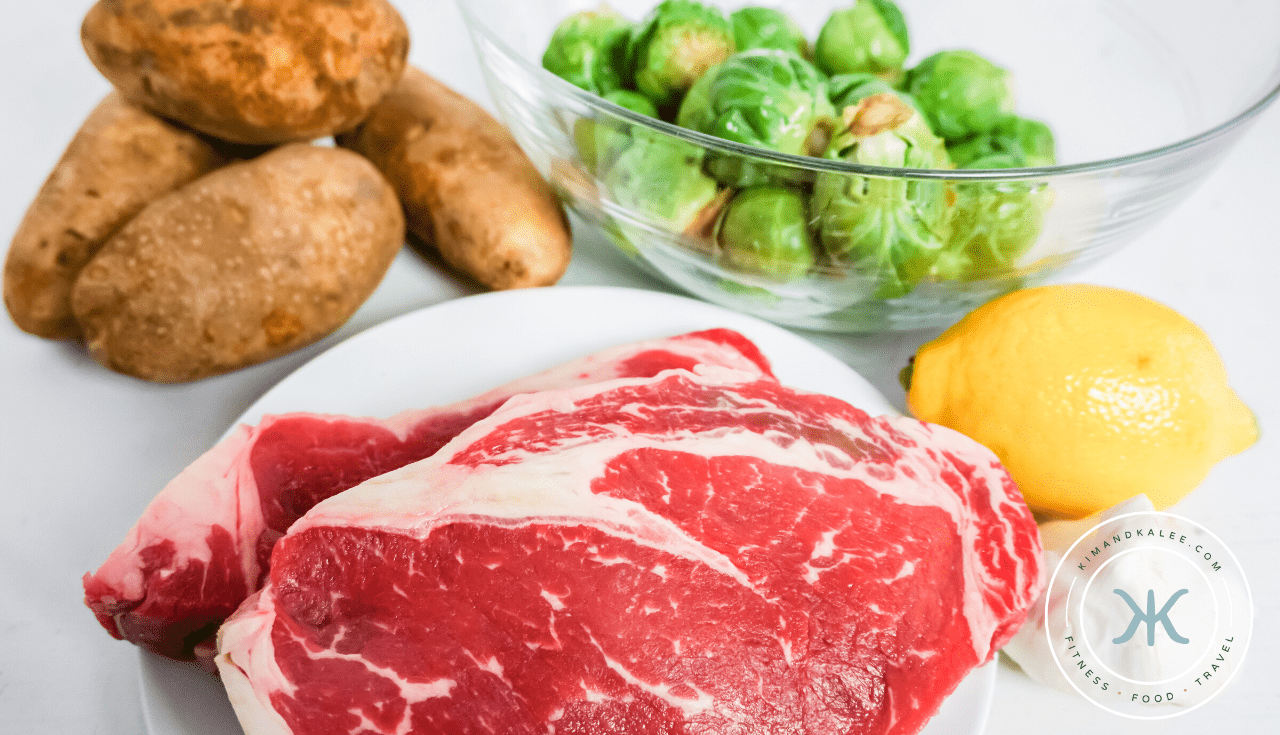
pixel 1139 572
pixel 1150 617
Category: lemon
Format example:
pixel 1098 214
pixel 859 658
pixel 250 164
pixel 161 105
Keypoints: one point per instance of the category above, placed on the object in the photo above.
pixel 1089 396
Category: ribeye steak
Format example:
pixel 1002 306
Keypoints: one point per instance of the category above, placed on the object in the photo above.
pixel 201 546
pixel 698 552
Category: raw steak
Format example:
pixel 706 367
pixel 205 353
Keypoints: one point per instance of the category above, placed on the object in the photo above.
pixel 201 546
pixel 693 553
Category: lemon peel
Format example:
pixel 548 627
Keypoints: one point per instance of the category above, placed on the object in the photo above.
pixel 1089 395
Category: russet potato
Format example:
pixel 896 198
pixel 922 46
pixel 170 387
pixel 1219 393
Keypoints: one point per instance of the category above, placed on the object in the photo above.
pixel 245 264
pixel 250 71
pixel 468 190
pixel 121 158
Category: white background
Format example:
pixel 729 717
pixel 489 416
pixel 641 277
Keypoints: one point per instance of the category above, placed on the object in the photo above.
pixel 82 450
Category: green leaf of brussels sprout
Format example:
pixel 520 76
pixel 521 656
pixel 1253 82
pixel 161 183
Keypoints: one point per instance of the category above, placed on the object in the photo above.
pixel 661 178
pixel 588 50
pixel 889 230
pixel 1030 141
pixel 765 230
pixel 600 141
pixel 844 89
pixel 675 45
pixel 871 36
pixel 757 27
pixel 962 93
pixel 764 98
pixel 633 101
pixel 995 223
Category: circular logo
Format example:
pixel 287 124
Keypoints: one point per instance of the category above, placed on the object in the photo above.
pixel 1148 615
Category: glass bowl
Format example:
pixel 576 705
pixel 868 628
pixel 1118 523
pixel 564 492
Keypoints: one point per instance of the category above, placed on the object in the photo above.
pixel 1143 100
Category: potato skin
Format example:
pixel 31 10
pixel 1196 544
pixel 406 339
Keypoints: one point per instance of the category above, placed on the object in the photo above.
pixel 121 158
pixel 250 71
pixel 250 262
pixel 467 188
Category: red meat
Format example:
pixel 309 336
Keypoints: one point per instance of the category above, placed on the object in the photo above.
pixel 691 553
pixel 201 546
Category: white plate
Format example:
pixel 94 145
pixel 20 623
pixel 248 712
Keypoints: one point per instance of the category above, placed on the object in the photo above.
pixel 463 347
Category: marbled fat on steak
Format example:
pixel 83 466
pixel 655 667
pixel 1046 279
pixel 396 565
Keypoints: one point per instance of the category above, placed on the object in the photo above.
pixel 700 552
pixel 201 546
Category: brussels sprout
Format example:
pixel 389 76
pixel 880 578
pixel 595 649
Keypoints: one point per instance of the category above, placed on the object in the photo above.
pixel 962 93
pixel 850 89
pixel 765 230
pixel 869 37
pixel 756 27
pixel 633 101
pixel 764 98
pixel 589 50
pixel 675 45
pixel 661 178
pixel 888 229
pixel 697 106
pixel 1030 141
pixel 994 223
pixel 600 141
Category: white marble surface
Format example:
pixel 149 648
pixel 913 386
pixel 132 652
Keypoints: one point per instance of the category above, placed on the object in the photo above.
pixel 82 450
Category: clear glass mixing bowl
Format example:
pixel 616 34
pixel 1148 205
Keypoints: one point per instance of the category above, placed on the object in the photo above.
pixel 1144 98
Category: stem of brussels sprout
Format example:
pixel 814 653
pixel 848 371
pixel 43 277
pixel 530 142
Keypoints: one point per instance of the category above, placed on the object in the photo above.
pixel 875 114
pixel 702 225
pixel 819 138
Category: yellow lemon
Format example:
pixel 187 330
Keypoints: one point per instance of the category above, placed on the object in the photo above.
pixel 1089 395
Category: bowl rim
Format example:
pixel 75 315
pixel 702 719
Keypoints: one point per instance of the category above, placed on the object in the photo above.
pixel 816 164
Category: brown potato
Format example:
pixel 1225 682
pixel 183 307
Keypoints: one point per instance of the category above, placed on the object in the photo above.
pixel 467 188
pixel 121 158
pixel 250 71
pixel 243 265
